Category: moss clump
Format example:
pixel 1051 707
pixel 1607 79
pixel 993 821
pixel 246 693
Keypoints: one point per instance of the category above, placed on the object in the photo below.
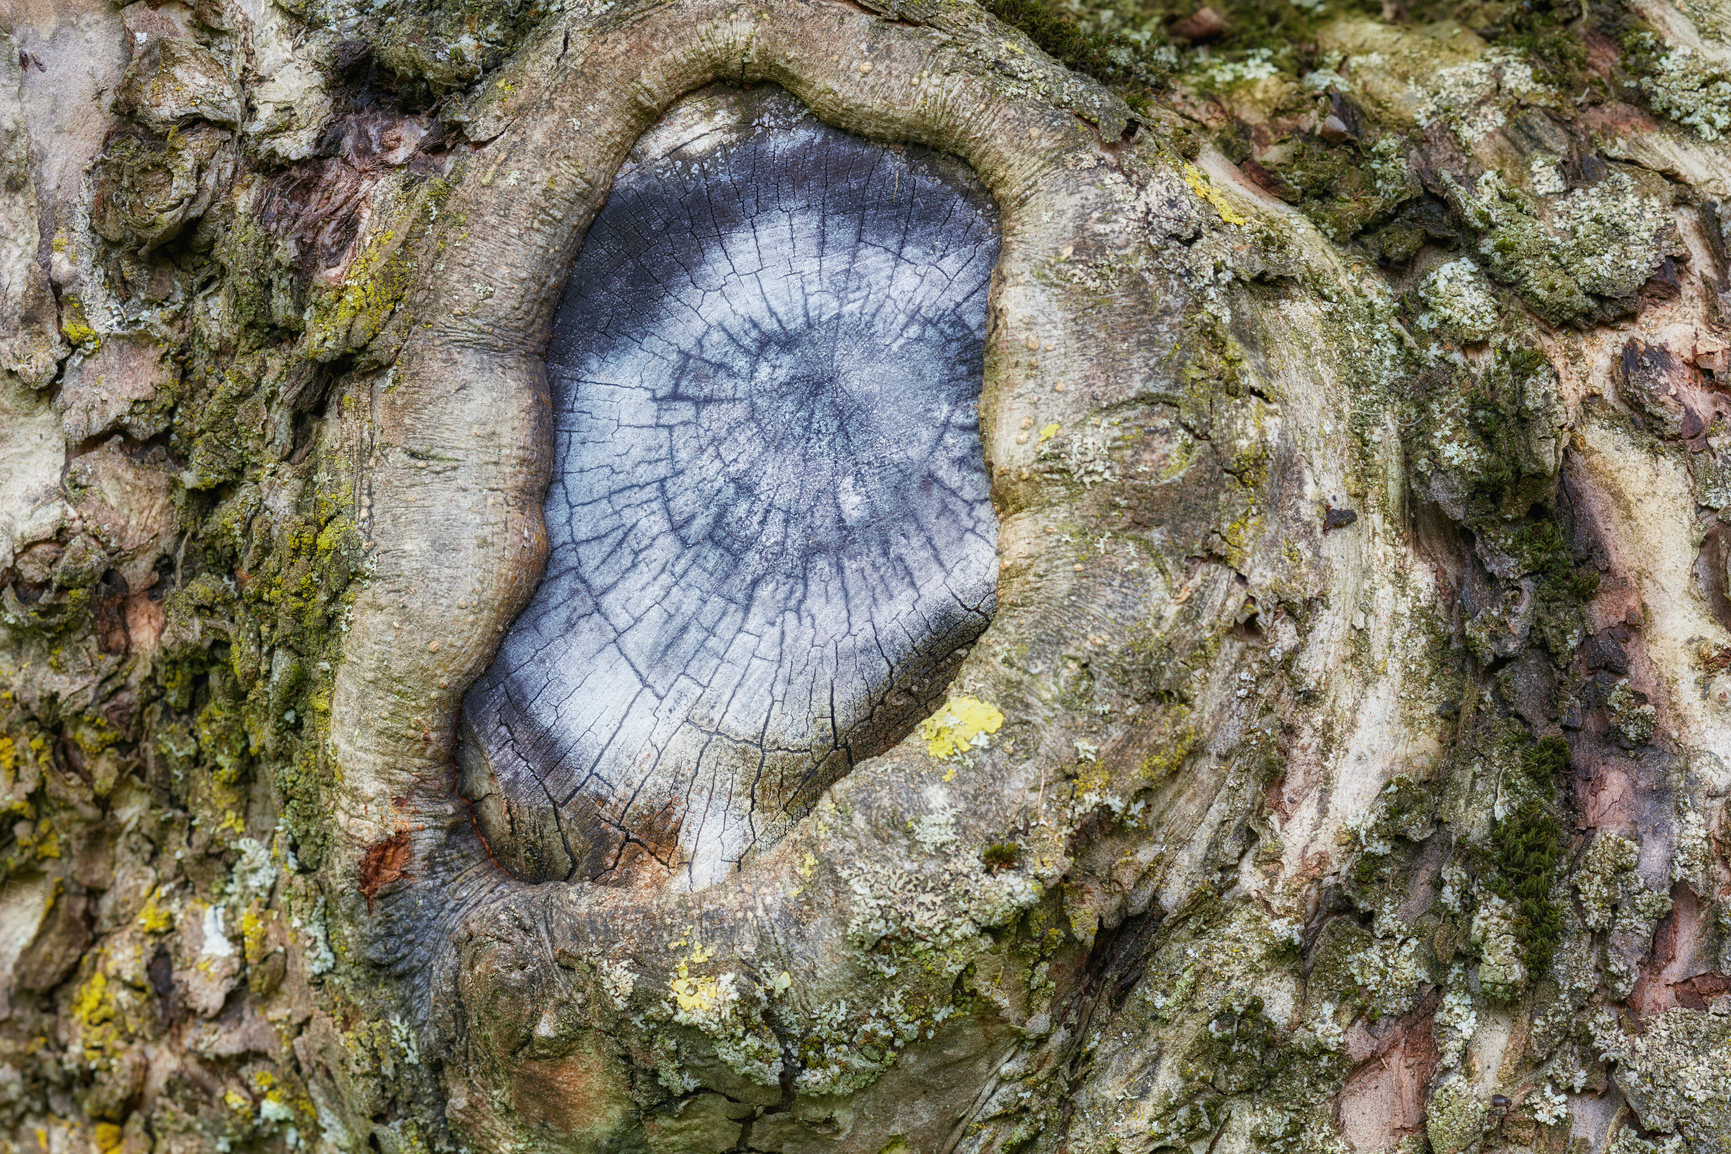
pixel 1348 188
pixel 1060 36
pixel 1564 588
pixel 1487 453
pixel 1525 852
pixel 267 295
pixel 1546 760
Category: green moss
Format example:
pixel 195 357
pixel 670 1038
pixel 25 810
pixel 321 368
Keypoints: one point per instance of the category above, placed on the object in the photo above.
pixel 1546 760
pixel 1347 188
pixel 1061 36
pixel 1525 853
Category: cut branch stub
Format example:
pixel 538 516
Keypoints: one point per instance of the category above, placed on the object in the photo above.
pixel 555 994
pixel 770 540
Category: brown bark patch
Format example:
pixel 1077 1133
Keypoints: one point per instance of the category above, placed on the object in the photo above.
pixel 384 862
pixel 1668 390
pixel 110 625
pixel 650 850
pixel 574 1095
pixel 1383 1098
pixel 1679 970
pixel 145 621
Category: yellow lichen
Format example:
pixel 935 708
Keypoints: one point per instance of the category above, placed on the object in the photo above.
pixel 1177 737
pixel 955 727
pixel 254 934
pixel 76 327
pixel 92 1006
pixel 695 996
pixel 153 919
pixel 1199 185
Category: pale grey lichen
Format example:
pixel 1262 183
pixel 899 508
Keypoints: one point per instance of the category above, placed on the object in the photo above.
pixel 1630 713
pixel 1628 1142
pixel 1502 973
pixel 1613 232
pixel 1548 1104
pixel 1389 972
pixel 1565 254
pixel 1676 1074
pixel 1457 1020
pixel 1458 302
pixel 1474 98
pixel 1690 89
pixel 1615 901
pixel 1604 874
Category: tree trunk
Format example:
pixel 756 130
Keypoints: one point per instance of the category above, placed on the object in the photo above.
pixel 1333 756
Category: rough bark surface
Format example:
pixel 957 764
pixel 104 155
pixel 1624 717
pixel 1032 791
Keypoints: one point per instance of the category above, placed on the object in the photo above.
pixel 1344 766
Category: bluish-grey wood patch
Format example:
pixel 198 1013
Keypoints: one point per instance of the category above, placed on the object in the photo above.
pixel 771 539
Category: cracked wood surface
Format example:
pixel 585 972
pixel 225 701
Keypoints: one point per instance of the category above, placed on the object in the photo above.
pixel 769 539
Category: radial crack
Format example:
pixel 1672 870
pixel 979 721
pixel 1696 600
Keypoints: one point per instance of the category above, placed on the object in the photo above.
pixel 768 525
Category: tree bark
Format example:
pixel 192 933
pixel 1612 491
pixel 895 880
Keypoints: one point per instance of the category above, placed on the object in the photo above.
pixel 1344 766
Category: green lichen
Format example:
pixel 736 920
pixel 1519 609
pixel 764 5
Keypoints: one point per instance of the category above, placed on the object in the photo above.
pixel 1455 1117
pixel 1582 256
pixel 1633 718
pixel 266 292
pixel 351 316
pixel 1458 304
pixel 149 187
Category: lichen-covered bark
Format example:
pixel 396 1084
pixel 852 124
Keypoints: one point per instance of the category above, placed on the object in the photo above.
pixel 1344 767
